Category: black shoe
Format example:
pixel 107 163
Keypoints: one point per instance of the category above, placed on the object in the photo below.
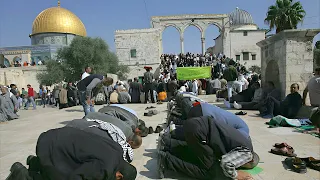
pixel 147 114
pixel 33 163
pixel 18 172
pixel 151 130
pixel 158 129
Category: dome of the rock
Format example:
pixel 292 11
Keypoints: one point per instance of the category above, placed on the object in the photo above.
pixel 58 20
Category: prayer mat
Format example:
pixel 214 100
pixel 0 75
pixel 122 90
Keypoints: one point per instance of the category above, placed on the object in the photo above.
pixel 256 170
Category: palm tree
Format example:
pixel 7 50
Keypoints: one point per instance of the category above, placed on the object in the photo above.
pixel 285 14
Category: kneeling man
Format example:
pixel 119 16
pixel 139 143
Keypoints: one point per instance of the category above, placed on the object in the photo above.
pixel 70 153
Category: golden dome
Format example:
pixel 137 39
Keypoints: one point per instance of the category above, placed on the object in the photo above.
pixel 58 20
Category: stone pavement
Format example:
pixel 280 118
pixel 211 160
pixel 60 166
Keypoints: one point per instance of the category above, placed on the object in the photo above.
pixel 18 140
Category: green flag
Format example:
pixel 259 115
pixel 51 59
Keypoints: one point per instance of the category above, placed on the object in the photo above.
pixel 189 73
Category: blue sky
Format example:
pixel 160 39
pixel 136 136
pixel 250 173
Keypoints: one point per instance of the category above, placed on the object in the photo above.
pixel 103 17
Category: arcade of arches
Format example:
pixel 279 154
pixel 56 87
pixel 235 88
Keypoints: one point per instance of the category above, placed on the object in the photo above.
pixel 202 22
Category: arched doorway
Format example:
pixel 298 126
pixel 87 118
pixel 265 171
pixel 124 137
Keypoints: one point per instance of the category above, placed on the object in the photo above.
pixel 272 73
pixel 6 62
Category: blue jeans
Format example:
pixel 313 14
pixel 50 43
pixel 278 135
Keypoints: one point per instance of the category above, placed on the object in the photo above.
pixel 30 100
pixel 230 89
pixel 86 107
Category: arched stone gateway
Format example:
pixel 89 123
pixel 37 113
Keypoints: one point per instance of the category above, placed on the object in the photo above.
pixel 272 73
pixel 201 21
pixel 291 51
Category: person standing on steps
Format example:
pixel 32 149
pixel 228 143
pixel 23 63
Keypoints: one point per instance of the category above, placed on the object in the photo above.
pixel 148 85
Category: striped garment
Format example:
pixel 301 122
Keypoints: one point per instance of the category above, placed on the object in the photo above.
pixel 234 159
pixel 117 135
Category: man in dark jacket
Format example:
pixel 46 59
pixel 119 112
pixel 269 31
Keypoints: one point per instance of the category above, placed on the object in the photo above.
pixel 209 141
pixel 148 85
pixel 70 153
pixel 288 108
pixel 231 75
pixel 89 88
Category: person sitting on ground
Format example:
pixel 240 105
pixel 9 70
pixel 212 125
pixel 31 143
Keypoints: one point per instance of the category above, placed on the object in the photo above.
pixel 313 87
pixel 114 97
pixel 7 105
pixel 257 98
pixel 214 84
pixel 212 150
pixel 288 108
pixel 123 96
pixel 70 153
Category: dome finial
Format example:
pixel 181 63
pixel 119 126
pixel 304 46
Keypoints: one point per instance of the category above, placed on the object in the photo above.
pixel 237 7
pixel 58 3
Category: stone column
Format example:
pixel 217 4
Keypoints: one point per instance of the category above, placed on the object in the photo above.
pixel 203 45
pixel 292 52
pixel 182 43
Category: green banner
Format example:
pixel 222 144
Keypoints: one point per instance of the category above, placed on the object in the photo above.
pixel 190 73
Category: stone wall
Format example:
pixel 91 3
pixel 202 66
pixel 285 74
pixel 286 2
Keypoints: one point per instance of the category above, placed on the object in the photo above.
pixel 291 53
pixel 240 43
pixel 21 76
pixel 144 41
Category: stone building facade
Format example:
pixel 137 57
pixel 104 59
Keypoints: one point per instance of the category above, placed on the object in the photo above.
pixel 287 58
pixel 237 39
pixel 138 48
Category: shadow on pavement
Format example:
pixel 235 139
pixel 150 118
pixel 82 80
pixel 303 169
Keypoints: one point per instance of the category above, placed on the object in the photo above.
pixel 73 110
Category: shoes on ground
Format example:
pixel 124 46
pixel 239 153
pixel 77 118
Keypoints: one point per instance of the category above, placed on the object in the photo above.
pixel 151 130
pixel 158 129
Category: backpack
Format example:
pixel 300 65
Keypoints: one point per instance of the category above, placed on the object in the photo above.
pixel 100 98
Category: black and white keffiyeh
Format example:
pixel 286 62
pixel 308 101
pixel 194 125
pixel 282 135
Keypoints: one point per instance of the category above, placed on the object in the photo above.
pixel 234 159
pixel 118 136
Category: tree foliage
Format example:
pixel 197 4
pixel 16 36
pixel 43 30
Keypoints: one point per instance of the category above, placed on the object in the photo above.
pixel 82 52
pixel 285 14
pixel 255 69
pixel 54 73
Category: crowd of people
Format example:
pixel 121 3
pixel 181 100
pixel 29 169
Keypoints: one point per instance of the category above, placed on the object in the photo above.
pixel 200 140
pixel 19 64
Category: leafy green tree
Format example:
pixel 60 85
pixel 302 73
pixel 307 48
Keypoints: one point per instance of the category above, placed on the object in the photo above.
pixel 255 69
pixel 54 73
pixel 285 14
pixel 82 52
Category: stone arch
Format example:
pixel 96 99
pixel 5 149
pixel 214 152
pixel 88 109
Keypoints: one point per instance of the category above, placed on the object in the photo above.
pixel 15 59
pixel 272 73
pixel 195 25
pixel 171 25
pixel 7 62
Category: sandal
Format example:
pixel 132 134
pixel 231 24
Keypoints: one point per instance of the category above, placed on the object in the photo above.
pixel 283 152
pixel 312 163
pixel 241 113
pixel 281 145
pixel 296 165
